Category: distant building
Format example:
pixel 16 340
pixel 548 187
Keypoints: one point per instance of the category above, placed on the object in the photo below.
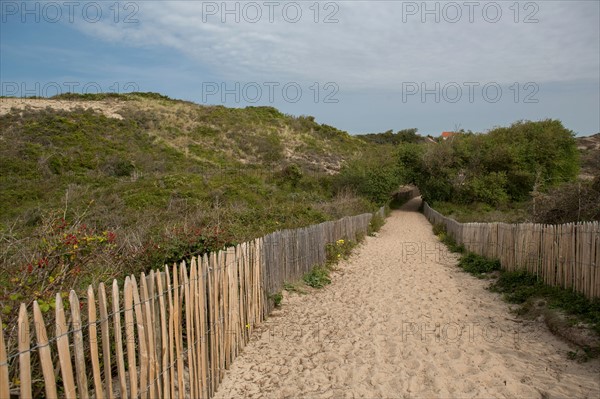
pixel 447 135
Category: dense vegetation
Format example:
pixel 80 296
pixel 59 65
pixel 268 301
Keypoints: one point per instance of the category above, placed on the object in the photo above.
pixel 504 165
pixel 501 170
pixel 88 198
pixel 389 137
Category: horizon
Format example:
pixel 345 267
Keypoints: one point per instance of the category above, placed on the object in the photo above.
pixel 394 131
pixel 362 67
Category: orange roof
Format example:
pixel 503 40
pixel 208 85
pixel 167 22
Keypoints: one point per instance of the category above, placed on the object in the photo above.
pixel 447 134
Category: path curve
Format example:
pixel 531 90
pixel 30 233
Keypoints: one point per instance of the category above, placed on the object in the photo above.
pixel 401 321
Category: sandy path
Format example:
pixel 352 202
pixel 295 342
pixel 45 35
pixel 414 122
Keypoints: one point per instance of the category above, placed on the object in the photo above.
pixel 400 320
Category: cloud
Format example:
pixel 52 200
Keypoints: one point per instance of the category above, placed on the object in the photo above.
pixel 371 47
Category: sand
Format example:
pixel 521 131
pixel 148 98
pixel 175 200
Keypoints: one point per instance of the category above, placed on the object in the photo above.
pixel 400 320
pixel 108 108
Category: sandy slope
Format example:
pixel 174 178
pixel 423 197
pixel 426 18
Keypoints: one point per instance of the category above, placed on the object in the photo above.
pixel 108 108
pixel 399 321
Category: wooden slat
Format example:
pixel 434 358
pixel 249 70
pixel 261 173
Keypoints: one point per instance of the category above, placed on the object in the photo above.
pixel 156 334
pixel 189 326
pixel 177 331
pixel 4 380
pixel 93 340
pixel 202 271
pixel 171 343
pixel 225 281
pixel 142 341
pixel 24 354
pixel 164 352
pixel 44 352
pixel 130 338
pixel 218 283
pixel 82 383
pixel 212 322
pixel 244 290
pixel 596 263
pixel 64 354
pixel 195 290
pixel 106 355
pixel 119 355
pixel 149 329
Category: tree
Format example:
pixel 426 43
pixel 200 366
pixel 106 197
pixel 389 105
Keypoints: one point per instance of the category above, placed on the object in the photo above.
pixel 506 164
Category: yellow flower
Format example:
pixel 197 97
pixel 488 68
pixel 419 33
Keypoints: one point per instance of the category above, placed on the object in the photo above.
pixel 75 246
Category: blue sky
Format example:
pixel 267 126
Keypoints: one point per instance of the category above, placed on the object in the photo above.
pixel 362 66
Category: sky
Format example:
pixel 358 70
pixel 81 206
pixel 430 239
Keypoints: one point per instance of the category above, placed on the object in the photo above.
pixel 361 66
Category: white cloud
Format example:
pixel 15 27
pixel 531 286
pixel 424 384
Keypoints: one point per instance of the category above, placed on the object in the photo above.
pixel 371 47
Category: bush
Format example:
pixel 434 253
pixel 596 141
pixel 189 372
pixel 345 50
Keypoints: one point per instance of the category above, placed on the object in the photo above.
pixel 318 277
pixel 292 174
pixel 489 189
pixel 477 264
pixel 517 286
pixel 375 177
pixel 567 203
pixel 506 164
pixel 277 298
pixel 375 224
pixel 440 230
pixel 521 287
pixel 339 250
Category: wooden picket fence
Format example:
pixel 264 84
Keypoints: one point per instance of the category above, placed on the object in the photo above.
pixel 289 254
pixel 564 255
pixel 169 334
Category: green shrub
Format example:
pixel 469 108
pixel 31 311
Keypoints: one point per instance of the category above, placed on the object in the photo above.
pixel 375 224
pixel 520 287
pixel 318 277
pixel 292 174
pixel 477 264
pixel 489 189
pixel 505 164
pixel 517 286
pixel 339 250
pixel 277 298
pixel 375 177
pixel 439 230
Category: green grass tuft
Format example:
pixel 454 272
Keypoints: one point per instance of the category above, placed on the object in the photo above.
pixel 477 264
pixel 318 277
pixel 375 224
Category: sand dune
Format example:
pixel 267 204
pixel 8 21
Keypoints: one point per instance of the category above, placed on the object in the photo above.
pixel 401 321
pixel 109 108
